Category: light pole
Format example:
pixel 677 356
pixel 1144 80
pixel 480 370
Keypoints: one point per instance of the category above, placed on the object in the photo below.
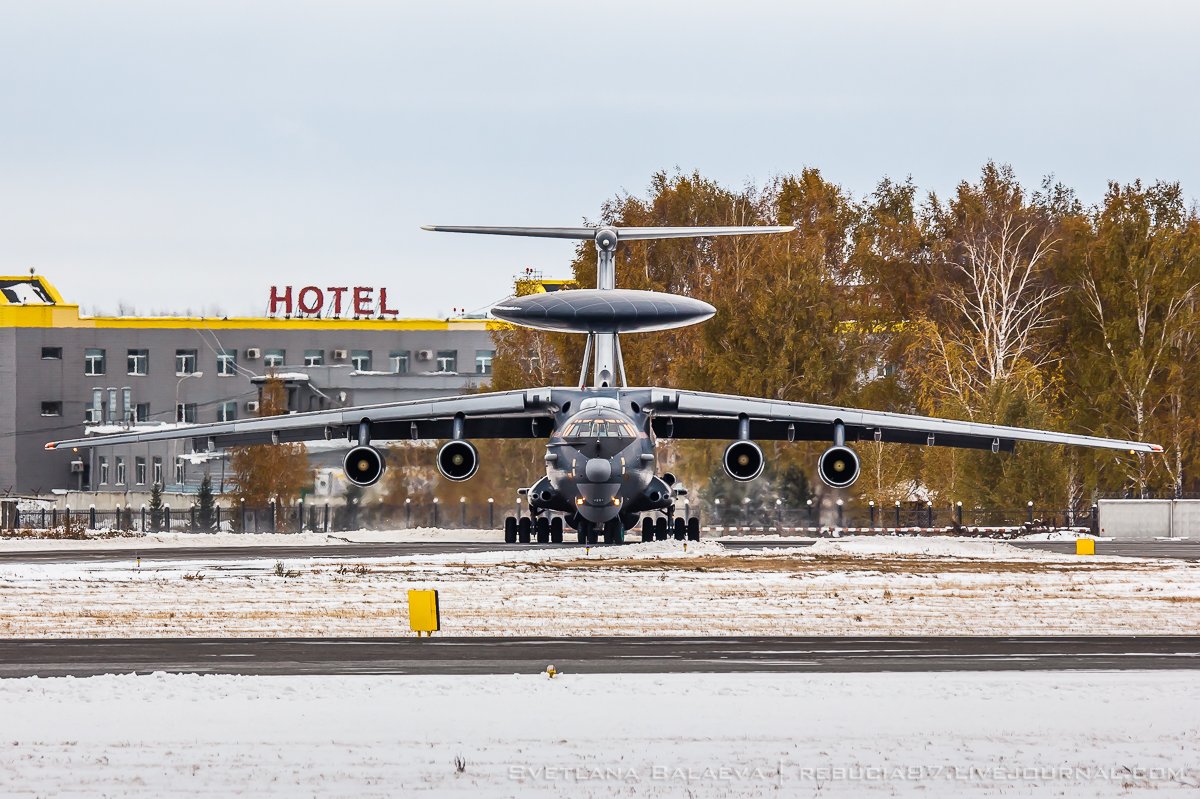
pixel 180 416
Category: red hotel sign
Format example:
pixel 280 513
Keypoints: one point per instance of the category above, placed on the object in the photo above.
pixel 331 301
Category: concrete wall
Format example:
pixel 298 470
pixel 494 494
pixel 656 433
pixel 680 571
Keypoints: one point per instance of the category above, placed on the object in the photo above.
pixel 1150 518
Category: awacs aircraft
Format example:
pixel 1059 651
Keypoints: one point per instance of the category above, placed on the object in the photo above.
pixel 601 468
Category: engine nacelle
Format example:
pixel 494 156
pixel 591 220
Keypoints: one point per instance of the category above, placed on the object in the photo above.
pixel 743 460
pixel 363 466
pixel 458 460
pixel 838 467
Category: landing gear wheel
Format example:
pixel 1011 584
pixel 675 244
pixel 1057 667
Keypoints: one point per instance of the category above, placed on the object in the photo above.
pixel 556 530
pixel 647 529
pixel 614 532
pixel 693 528
pixel 680 529
pixel 524 526
pixel 510 529
pixel 542 527
pixel 660 529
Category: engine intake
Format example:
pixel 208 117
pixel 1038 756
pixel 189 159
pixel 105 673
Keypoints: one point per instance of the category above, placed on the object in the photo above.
pixel 458 460
pixel 743 460
pixel 838 467
pixel 363 466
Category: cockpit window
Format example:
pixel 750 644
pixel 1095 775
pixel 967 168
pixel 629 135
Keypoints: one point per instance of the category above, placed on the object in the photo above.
pixel 599 428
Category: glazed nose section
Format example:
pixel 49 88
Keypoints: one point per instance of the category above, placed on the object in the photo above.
pixel 597 470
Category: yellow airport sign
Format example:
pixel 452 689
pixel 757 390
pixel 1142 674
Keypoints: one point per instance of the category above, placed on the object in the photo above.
pixel 424 615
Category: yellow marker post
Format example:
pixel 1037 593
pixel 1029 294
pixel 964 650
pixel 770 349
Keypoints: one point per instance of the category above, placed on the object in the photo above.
pixel 424 615
pixel 1085 546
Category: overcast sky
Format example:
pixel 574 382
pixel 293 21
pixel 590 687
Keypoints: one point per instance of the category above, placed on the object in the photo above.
pixel 188 155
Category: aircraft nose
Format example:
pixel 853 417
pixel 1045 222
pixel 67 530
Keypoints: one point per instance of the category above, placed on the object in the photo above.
pixel 597 470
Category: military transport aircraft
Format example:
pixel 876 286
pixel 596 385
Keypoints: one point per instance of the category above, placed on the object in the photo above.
pixel 601 474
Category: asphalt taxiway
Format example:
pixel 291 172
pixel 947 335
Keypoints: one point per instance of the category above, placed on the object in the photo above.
pixel 1178 549
pixel 602 655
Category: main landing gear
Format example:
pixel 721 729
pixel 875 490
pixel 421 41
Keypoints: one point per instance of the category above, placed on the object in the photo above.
pixel 662 528
pixel 526 530
pixel 543 530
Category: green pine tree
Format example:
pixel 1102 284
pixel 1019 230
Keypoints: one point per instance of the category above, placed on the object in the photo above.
pixel 156 508
pixel 205 510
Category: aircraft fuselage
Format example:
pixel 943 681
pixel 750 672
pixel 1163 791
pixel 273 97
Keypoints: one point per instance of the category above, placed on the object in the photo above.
pixel 600 466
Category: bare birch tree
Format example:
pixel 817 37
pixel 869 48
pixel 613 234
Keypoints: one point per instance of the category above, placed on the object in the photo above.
pixel 999 306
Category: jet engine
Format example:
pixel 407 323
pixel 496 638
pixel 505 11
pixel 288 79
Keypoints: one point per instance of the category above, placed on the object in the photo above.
pixel 458 460
pixel 743 460
pixel 838 467
pixel 363 465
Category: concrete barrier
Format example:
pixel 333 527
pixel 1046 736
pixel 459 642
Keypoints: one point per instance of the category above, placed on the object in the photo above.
pixel 1149 518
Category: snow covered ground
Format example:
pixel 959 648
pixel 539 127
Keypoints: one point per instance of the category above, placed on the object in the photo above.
pixel 700 735
pixel 226 539
pixel 863 586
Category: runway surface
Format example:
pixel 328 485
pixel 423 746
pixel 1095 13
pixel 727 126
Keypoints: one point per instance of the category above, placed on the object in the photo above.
pixel 1181 550
pixel 264 656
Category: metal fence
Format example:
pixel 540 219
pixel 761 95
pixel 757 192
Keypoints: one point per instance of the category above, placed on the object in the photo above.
pixel 327 517
pixel 903 516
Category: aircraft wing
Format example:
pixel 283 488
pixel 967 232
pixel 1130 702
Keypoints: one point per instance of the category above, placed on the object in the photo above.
pixel 503 414
pixel 695 414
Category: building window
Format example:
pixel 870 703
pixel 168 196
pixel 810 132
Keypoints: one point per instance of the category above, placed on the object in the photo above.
pixel 398 362
pixel 157 470
pixel 120 471
pixel 227 411
pixel 139 362
pixel 447 360
pixel 274 358
pixel 185 363
pixel 186 412
pixel 52 409
pixel 93 362
pixel 127 405
pixel 51 353
pixel 95 414
pixel 139 471
pixel 483 361
pixel 360 360
pixel 227 364
pixel 103 470
pixel 141 412
pixel 314 357
pixel 180 471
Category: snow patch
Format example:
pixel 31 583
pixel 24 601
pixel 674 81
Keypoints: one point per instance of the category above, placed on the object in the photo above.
pixel 927 546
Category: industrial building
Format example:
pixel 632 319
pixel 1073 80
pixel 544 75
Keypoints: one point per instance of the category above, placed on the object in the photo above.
pixel 64 374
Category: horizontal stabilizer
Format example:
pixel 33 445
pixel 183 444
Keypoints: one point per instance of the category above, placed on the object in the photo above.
pixel 645 233
pixel 623 233
pixel 537 232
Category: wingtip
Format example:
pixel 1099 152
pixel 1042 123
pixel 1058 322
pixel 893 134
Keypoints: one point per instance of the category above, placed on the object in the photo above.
pixel 51 445
pixel 787 228
pixel 428 227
